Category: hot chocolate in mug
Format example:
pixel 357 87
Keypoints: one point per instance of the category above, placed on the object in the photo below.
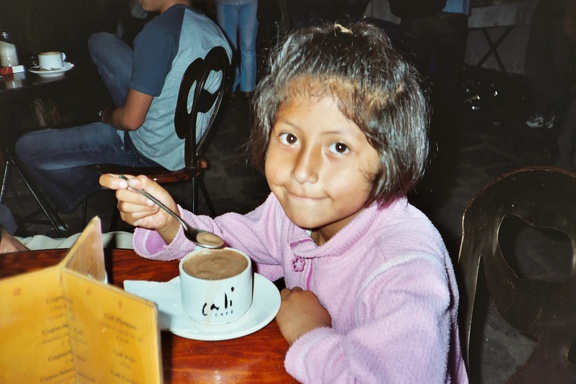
pixel 216 285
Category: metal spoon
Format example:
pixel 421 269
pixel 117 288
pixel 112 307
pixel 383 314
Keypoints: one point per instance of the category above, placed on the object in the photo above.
pixel 201 237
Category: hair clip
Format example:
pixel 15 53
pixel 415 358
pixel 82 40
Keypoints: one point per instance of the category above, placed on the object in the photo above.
pixel 343 29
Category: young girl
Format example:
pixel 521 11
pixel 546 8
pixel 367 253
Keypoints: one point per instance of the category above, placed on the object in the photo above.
pixel 341 134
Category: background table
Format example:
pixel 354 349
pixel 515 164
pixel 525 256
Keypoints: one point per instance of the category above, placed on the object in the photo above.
pixel 256 358
pixel 497 34
pixel 15 90
pixel 20 85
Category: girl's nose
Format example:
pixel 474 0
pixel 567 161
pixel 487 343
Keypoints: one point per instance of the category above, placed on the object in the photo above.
pixel 306 165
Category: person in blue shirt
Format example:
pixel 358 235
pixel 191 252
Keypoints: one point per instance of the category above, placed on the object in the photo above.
pixel 143 83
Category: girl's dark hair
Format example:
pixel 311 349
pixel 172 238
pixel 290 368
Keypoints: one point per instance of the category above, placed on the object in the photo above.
pixel 374 86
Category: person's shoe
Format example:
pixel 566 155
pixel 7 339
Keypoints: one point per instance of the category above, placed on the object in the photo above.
pixel 550 122
pixel 535 121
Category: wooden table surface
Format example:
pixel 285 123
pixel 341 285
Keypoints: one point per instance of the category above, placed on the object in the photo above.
pixel 256 358
pixel 25 84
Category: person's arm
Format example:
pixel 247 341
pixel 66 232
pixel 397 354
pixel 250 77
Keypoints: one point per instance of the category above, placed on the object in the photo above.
pixel 138 210
pixel 255 233
pixel 131 116
pixel 300 313
pixel 402 331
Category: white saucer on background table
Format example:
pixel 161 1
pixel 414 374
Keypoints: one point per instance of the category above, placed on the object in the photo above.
pixel 52 72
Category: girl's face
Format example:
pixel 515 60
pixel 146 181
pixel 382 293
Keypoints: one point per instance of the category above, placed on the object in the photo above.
pixel 319 165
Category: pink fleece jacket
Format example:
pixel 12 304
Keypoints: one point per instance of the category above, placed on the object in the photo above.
pixel 386 279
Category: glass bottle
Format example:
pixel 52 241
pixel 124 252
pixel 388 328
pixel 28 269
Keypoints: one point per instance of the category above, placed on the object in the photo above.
pixel 8 54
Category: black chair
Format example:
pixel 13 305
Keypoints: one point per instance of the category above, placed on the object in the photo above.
pixel 204 101
pixel 544 308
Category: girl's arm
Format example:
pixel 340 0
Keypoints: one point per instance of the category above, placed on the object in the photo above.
pixel 300 313
pixel 139 211
pixel 403 332
pixel 158 235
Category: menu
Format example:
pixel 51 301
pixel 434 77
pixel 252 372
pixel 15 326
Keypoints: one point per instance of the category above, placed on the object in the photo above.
pixel 65 324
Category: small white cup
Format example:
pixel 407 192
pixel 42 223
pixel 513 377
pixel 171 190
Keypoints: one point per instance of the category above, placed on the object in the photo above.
pixel 216 285
pixel 51 60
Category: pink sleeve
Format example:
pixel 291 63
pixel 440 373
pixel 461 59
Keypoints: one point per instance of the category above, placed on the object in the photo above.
pixel 402 332
pixel 149 244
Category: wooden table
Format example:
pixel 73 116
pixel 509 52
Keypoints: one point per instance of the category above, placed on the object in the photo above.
pixel 256 358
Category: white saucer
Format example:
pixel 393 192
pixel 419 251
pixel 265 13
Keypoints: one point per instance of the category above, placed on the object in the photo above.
pixel 265 306
pixel 52 72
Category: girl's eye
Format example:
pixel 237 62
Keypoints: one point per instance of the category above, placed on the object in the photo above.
pixel 339 148
pixel 288 138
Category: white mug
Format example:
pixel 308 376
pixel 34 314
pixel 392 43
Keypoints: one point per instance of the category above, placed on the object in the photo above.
pixel 216 285
pixel 51 60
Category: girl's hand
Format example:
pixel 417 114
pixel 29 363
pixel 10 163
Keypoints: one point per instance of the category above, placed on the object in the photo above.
pixel 139 211
pixel 300 312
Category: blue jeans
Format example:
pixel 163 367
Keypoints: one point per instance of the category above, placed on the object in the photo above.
pixel 113 59
pixel 240 25
pixel 60 161
pixel 7 220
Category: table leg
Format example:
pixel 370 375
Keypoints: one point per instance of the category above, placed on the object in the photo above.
pixel 52 217
pixel 493 51
pixel 5 175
